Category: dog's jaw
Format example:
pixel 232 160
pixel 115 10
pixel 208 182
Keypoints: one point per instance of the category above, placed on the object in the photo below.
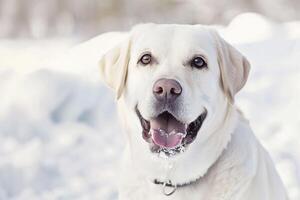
pixel 202 154
pixel 166 134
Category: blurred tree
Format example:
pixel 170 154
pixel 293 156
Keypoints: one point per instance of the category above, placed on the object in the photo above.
pixel 46 18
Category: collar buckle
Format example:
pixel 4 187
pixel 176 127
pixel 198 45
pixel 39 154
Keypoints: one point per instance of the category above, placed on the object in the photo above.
pixel 169 188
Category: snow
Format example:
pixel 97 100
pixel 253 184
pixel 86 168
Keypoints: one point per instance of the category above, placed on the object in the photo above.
pixel 59 135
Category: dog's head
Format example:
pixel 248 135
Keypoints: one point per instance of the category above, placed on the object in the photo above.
pixel 174 83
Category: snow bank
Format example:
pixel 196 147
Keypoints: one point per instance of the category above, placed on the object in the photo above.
pixel 58 130
pixel 56 139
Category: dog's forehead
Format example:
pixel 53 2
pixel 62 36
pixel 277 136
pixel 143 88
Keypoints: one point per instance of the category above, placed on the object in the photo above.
pixel 172 36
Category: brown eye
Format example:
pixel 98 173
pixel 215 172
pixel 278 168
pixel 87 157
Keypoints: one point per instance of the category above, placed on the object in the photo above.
pixel 198 62
pixel 145 59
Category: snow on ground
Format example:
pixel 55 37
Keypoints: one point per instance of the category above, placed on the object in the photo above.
pixel 59 136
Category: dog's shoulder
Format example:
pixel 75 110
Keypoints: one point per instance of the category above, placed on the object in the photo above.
pixel 237 165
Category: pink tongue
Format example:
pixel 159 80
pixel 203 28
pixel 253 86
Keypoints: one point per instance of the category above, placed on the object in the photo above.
pixel 167 131
pixel 166 140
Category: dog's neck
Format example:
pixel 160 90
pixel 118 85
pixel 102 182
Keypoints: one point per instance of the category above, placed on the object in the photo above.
pixel 190 168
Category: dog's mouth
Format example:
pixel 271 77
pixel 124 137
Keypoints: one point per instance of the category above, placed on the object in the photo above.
pixel 167 134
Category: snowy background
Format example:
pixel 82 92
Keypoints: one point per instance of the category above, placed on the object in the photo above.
pixel 59 136
pixel 48 18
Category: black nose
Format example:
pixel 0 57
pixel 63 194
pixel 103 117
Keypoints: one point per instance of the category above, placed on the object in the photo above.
pixel 166 89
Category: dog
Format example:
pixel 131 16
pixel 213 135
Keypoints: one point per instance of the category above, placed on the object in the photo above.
pixel 185 139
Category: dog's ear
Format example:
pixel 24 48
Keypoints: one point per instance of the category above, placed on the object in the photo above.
pixel 114 65
pixel 234 67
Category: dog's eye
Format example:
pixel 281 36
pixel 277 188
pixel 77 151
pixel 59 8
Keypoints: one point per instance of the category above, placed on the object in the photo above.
pixel 198 62
pixel 145 59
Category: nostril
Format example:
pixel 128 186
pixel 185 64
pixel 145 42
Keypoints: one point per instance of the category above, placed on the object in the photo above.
pixel 175 91
pixel 158 90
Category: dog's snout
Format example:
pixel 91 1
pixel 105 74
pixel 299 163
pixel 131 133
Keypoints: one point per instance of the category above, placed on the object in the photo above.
pixel 166 89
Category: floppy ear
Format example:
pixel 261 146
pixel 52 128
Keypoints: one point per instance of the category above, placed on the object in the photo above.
pixel 234 67
pixel 114 65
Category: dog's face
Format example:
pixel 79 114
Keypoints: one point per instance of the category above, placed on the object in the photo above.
pixel 175 82
pixel 168 76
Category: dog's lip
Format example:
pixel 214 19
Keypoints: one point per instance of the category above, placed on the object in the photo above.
pixel 185 137
pixel 145 125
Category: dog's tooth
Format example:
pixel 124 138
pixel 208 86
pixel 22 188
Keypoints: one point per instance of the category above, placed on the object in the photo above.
pixel 162 132
pixel 172 132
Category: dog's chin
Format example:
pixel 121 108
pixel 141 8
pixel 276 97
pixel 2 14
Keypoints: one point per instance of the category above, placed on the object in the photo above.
pixel 167 135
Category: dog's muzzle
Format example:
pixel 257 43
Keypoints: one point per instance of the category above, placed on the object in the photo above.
pixel 164 131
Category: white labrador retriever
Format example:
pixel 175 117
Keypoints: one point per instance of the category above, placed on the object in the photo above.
pixel 175 86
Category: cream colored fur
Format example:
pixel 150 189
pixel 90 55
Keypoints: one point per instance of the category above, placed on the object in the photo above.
pixel 225 160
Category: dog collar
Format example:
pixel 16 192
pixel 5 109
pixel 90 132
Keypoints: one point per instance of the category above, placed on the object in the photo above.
pixel 169 188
